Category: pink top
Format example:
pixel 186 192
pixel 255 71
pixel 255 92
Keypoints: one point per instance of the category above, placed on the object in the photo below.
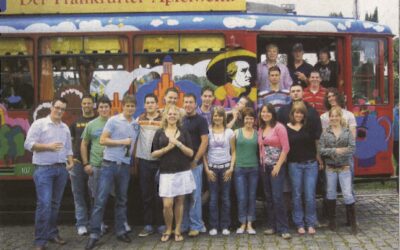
pixel 277 137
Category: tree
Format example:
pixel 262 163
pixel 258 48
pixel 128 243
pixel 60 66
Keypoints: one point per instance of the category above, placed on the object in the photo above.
pixel 372 17
pixel 334 14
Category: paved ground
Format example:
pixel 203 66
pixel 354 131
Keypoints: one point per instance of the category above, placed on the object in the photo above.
pixel 378 218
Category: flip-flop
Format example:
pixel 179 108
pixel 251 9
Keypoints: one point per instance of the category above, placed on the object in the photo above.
pixel 301 231
pixel 165 237
pixel 178 237
pixel 311 230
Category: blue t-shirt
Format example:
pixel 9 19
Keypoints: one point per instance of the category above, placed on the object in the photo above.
pixel 120 128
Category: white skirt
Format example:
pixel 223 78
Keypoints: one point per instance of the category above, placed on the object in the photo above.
pixel 176 184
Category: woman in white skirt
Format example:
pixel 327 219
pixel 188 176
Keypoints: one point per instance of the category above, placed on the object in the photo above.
pixel 172 145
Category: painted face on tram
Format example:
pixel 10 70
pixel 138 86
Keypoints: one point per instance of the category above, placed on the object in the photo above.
pixel 150 105
pixel 332 99
pixel 171 98
pixel 243 76
pixel 207 98
pixel 266 115
pixel 104 110
pixel 298 116
pixel 57 111
pixel 248 121
pixel 128 109
pixel 87 105
pixel 272 54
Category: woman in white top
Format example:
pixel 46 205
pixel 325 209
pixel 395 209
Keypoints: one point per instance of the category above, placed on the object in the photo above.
pixel 219 164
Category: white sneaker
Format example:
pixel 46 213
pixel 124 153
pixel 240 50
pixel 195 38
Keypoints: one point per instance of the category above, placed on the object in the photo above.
pixel 82 230
pixel 213 232
pixel 240 230
pixel 226 232
pixel 251 231
pixel 127 227
pixel 203 230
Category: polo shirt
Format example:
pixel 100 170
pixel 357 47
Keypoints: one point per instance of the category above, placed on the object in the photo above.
pixel 120 128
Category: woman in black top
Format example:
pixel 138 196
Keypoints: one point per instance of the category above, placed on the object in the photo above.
pixel 303 168
pixel 173 146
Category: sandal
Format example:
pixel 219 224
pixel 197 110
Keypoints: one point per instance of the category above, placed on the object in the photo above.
pixel 311 230
pixel 165 237
pixel 178 237
pixel 301 231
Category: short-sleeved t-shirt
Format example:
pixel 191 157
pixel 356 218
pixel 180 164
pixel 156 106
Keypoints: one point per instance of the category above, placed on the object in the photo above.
pixel 304 68
pixel 329 74
pixel 347 115
pixel 197 126
pixel 92 133
pixel 120 128
pixel 173 161
pixel 76 132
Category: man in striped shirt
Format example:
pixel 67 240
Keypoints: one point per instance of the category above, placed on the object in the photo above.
pixel 275 95
pixel 315 93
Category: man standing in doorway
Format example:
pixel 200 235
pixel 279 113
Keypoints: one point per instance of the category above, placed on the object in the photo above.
pixel 300 70
pixel 50 141
pixel 197 127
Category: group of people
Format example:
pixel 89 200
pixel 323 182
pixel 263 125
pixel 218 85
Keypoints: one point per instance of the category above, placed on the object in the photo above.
pixel 174 151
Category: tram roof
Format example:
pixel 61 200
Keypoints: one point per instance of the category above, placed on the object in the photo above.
pixel 185 21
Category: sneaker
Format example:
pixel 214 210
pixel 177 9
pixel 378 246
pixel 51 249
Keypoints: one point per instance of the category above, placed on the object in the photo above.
pixel 240 230
pixel 226 231
pixel 147 230
pixel 251 231
pixel 286 236
pixel 193 233
pixel 82 230
pixel 104 229
pixel 127 227
pixel 213 232
pixel 203 230
pixel 269 231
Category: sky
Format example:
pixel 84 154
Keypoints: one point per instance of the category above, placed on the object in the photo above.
pixel 388 10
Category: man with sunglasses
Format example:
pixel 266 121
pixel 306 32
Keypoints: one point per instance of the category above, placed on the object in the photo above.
pixel 50 141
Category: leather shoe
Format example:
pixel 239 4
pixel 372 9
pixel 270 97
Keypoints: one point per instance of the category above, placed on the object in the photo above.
pixel 91 243
pixel 124 238
pixel 58 240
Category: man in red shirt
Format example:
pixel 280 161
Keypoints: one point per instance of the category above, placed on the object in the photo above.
pixel 315 93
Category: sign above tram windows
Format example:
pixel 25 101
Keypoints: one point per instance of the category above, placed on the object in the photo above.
pixel 116 6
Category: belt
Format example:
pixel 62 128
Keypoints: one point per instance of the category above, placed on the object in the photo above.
pixel 305 162
pixel 57 164
pixel 220 166
pixel 115 162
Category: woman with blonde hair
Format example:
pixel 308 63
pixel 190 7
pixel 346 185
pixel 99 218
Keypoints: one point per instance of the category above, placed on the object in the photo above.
pixel 173 146
pixel 219 165
pixel 337 145
pixel 303 168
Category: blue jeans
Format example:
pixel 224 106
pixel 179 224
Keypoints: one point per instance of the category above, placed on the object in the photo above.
pixel 111 174
pixel 152 203
pixel 50 181
pixel 345 180
pixel 78 185
pixel 192 213
pixel 246 180
pixel 276 208
pixel 304 178
pixel 219 189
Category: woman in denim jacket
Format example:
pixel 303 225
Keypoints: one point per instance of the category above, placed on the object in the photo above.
pixel 337 145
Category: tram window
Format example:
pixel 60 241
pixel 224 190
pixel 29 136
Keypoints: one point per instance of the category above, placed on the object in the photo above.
pixel 369 67
pixel 82 63
pixel 16 73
